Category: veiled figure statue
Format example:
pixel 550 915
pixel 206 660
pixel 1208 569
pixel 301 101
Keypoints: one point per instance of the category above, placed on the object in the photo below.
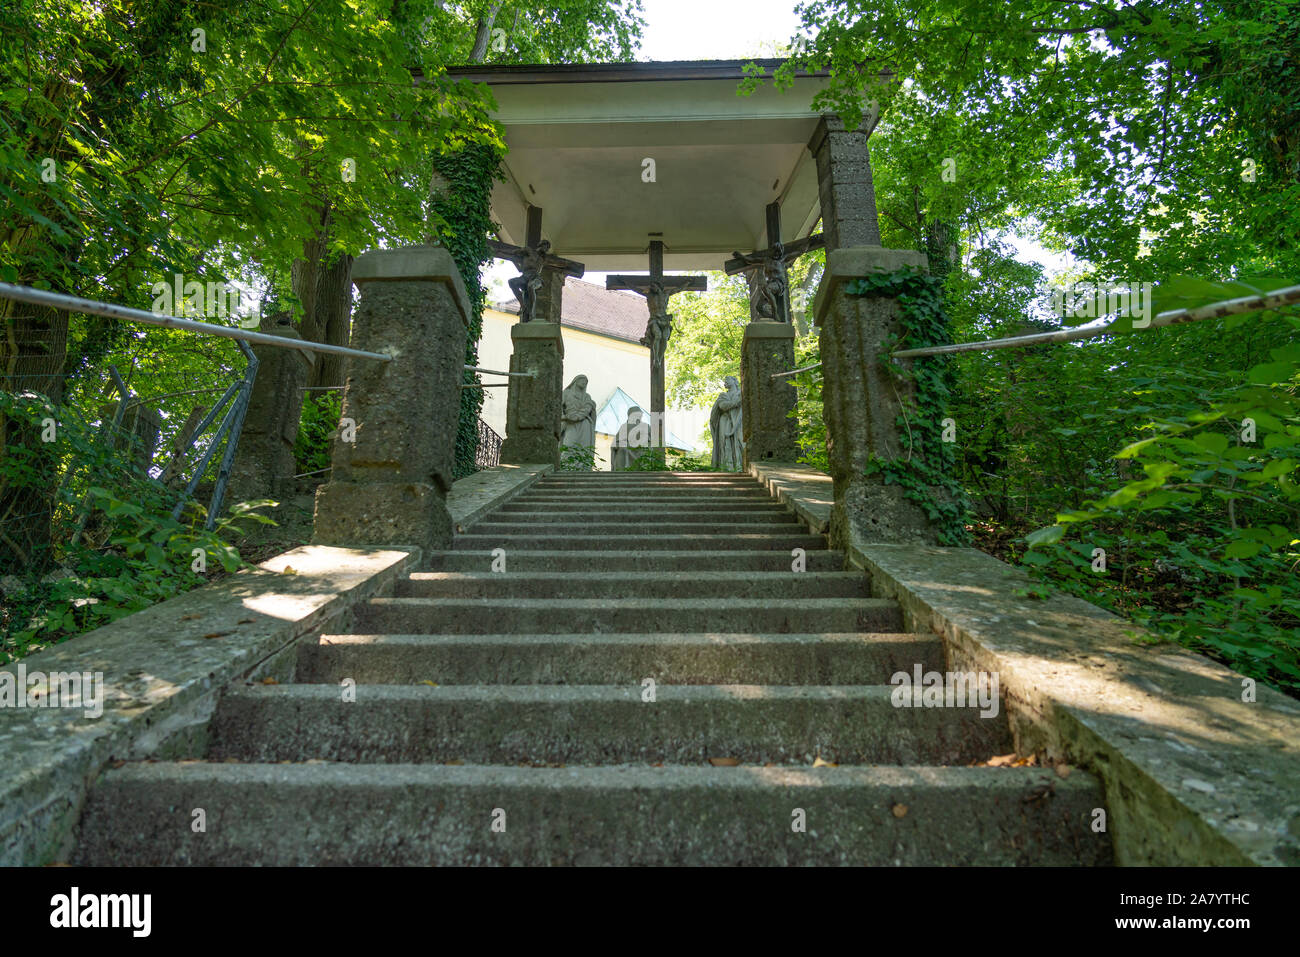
pixel 578 415
pixel 633 438
pixel 725 424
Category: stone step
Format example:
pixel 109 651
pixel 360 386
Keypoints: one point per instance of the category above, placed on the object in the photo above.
pixel 627 543
pixel 688 584
pixel 549 616
pixel 648 488
pixel 615 509
pixel 658 528
pixel 596 724
pixel 644 478
pixel 661 500
pixel 690 658
pixel 423 815
pixel 652 517
pixel 635 560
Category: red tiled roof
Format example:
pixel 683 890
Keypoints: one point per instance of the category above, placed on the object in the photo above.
pixel 593 308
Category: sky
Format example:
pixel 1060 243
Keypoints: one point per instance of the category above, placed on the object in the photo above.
pixel 714 29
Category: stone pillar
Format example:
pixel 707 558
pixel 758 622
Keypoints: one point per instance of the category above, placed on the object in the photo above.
pixel 770 434
pixel 389 486
pixel 862 402
pixel 533 405
pixel 264 463
pixel 848 198
pixel 550 298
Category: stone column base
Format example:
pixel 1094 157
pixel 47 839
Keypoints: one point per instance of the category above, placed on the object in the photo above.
pixel 533 405
pixel 866 512
pixel 395 451
pixel 770 434
pixel 383 513
pixel 862 402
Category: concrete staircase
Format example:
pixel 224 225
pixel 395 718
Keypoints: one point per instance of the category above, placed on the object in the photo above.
pixel 647 682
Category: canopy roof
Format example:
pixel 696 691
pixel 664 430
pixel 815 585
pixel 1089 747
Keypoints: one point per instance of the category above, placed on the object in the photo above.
pixel 578 136
pixel 614 413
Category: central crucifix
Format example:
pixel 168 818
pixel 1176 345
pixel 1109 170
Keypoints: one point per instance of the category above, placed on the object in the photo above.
pixel 657 289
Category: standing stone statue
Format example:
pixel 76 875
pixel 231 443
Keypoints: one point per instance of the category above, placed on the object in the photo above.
pixel 768 293
pixel 578 415
pixel 725 424
pixel 633 438
pixel 529 281
pixel 659 328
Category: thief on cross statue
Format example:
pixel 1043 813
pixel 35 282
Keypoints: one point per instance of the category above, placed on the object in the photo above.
pixel 768 298
pixel 529 281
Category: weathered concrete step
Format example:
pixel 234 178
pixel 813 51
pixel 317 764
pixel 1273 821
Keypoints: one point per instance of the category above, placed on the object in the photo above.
pixel 690 658
pixel 635 560
pixel 646 489
pixel 596 724
pixel 421 815
pixel 619 508
pixel 632 502
pixel 549 616
pixel 626 543
pixel 688 584
pixel 648 517
pixel 645 478
pixel 657 527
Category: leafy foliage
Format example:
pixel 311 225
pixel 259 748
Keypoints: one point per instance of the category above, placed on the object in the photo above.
pixel 578 458
pixel 313 448
pixel 114 551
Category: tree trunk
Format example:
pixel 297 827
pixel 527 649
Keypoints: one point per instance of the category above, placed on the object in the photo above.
pixel 484 34
pixel 325 288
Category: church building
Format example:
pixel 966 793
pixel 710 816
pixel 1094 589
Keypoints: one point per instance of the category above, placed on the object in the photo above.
pixel 602 331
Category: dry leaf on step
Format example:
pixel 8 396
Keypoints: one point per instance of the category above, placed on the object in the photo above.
pixel 900 810
pixel 724 762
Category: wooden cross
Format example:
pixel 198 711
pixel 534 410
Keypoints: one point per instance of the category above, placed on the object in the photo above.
pixel 770 294
pixel 533 259
pixel 657 289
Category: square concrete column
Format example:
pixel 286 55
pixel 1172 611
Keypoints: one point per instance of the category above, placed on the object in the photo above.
pixel 770 434
pixel 533 405
pixel 389 485
pixel 848 198
pixel 550 298
pixel 264 461
pixel 863 401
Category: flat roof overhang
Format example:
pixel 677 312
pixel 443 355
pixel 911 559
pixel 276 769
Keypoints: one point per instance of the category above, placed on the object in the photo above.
pixel 578 137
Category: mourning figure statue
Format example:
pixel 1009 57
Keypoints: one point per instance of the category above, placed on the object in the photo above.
pixel 725 424
pixel 633 438
pixel 578 415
